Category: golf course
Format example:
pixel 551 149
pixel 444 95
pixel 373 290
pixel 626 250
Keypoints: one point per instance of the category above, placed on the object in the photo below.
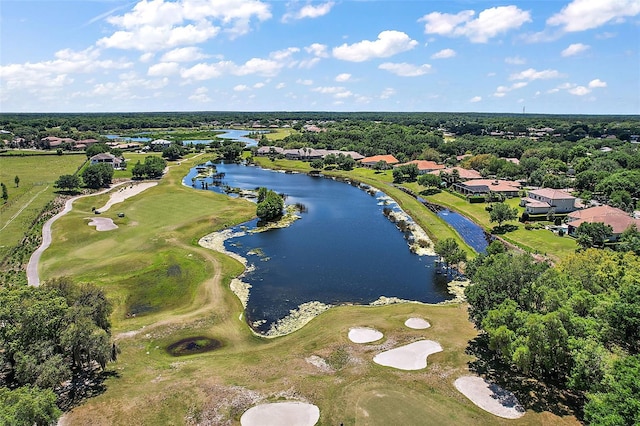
pixel 187 356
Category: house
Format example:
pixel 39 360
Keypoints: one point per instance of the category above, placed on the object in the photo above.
pixel 372 161
pixel 619 220
pixel 463 174
pixel 55 142
pixel 161 143
pixel 424 166
pixel 108 158
pixel 544 200
pixel 476 187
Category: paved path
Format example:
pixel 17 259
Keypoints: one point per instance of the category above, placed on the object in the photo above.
pixel 32 267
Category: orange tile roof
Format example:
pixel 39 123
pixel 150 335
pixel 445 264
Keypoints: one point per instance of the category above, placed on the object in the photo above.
pixel 619 220
pixel 426 165
pixel 389 159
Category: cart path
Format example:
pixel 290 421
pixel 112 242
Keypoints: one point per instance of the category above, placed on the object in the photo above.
pixel 32 267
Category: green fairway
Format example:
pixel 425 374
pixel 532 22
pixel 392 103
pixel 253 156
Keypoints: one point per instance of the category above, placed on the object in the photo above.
pixel 37 175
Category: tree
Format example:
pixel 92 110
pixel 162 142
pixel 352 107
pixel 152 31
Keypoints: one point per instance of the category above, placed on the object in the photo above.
pixel 501 212
pixel 270 207
pixel 618 402
pixel 96 148
pixel 17 181
pixel 317 164
pixel 97 175
pixel 450 252
pixel 428 180
pixel 28 406
pixel 593 234
pixel 173 152
pixel 68 182
pixel 5 193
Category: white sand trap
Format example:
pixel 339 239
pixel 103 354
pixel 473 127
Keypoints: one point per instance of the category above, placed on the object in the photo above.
pixel 490 397
pixel 417 323
pixel 103 224
pixel 280 414
pixel 364 335
pixel 409 357
pixel 125 192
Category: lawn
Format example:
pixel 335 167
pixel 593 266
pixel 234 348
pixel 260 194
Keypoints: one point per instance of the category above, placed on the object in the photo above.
pixel 37 175
pixel 534 241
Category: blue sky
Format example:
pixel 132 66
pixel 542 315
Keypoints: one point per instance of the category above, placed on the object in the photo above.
pixel 544 56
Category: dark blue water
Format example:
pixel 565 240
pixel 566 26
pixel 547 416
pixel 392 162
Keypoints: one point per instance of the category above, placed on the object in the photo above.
pixel 471 233
pixel 343 250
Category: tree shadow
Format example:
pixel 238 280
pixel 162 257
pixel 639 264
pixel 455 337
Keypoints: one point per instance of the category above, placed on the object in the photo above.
pixel 533 394
pixel 83 385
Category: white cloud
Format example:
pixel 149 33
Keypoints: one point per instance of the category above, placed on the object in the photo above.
pixel 405 70
pixel 200 95
pixel 579 90
pixel 597 83
pixel 184 54
pixel 241 88
pixel 317 49
pixel 503 90
pixel 146 57
pixel 338 92
pixel 280 86
pixel 444 54
pixel 157 24
pixel 387 93
pixel 515 60
pixel 532 74
pixel 489 23
pixel 207 71
pixel 581 15
pixel 258 85
pixel 389 43
pixel 163 69
pixel 306 82
pixel 574 49
pixel 341 78
pixel 475 99
pixel 309 11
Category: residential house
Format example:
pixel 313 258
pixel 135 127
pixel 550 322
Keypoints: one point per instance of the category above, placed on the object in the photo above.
pixel 485 186
pixel 424 166
pixel 107 158
pixel 619 220
pixel 463 174
pixel 544 200
pixel 372 161
pixel 161 143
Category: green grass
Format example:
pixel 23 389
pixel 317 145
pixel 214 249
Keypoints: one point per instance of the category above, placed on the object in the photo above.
pixel 37 176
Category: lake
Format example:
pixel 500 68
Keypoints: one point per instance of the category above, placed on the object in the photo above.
pixel 343 250
pixel 234 134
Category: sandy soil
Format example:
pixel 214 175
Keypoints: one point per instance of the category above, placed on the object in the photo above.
pixel 409 357
pixel 103 223
pixel 281 413
pixel 125 192
pixel 364 335
pixel 490 397
pixel 417 323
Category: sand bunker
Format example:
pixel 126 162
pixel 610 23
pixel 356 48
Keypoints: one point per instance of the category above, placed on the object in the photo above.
pixel 103 224
pixel 490 397
pixel 281 413
pixel 125 192
pixel 417 323
pixel 364 335
pixel 409 357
